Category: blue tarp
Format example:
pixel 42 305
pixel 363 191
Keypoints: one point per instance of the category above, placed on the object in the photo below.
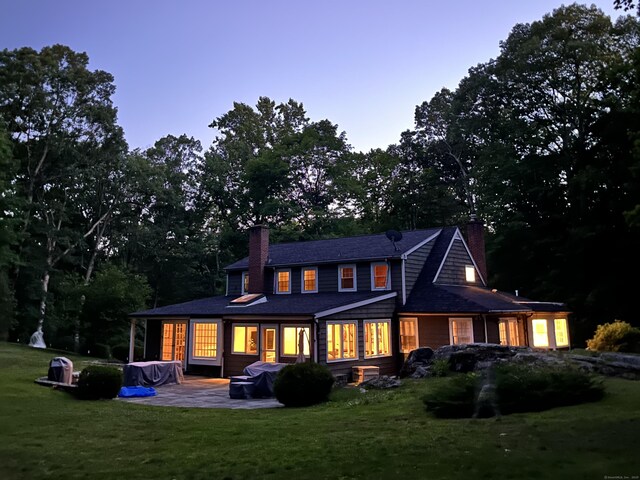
pixel 127 392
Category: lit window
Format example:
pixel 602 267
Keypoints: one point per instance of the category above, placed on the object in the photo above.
pixel 341 341
pixel 283 281
pixel 347 278
pixel 245 283
pixel 540 337
pixel 509 331
pixel 309 280
pixel 562 336
pixel 408 334
pixel 291 340
pixel 379 276
pixel 376 338
pixel 205 342
pixel 470 273
pixel 461 330
pixel 245 339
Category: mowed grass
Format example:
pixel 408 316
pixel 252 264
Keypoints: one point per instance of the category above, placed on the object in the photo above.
pixel 377 435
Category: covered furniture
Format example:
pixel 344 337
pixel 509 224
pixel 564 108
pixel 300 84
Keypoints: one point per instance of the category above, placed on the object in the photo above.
pixel 60 370
pixel 257 381
pixel 152 373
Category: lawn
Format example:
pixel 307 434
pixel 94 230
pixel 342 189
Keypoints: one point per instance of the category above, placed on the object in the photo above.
pixel 378 435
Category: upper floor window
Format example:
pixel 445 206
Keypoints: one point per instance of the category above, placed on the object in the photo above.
pixel 347 278
pixel 309 280
pixel 470 273
pixel 379 276
pixel 245 283
pixel 283 281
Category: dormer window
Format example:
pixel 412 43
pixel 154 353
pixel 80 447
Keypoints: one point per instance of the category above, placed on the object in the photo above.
pixel 347 278
pixel 380 276
pixel 283 281
pixel 470 273
pixel 309 280
pixel 245 283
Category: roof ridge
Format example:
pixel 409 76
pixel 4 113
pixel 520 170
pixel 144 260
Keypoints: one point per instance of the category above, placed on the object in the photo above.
pixel 355 236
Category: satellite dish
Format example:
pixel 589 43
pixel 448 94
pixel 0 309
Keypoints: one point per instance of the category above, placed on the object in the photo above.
pixel 394 236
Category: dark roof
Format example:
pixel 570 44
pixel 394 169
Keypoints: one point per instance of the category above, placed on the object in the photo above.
pixel 294 304
pixel 436 256
pixel 435 298
pixel 348 249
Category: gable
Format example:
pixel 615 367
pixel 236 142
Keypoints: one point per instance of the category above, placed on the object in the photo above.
pixel 456 259
pixel 415 262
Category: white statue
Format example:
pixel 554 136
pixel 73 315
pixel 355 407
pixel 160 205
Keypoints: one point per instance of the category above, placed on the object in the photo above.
pixel 37 339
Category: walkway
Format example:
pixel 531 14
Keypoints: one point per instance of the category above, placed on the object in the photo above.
pixel 201 392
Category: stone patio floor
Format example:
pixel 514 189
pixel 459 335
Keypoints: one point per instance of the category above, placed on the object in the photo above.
pixel 201 392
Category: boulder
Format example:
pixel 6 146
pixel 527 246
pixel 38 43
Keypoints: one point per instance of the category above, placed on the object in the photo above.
pixel 420 357
pixel 382 382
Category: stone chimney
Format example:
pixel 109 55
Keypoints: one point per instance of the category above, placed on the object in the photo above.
pixel 258 255
pixel 475 240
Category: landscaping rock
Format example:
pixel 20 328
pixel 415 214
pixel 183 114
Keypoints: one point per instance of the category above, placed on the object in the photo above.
pixel 382 382
pixel 419 357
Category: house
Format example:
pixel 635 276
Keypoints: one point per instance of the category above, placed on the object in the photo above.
pixel 357 301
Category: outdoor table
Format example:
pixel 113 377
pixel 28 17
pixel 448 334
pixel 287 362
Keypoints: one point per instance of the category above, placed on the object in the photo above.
pixel 153 373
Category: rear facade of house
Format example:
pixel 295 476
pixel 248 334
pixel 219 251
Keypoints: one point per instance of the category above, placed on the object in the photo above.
pixel 355 301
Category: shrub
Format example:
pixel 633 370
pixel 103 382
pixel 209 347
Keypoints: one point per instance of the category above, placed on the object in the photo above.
pixel 519 388
pixel 615 337
pixel 440 367
pixel 99 350
pixel 303 384
pixel 453 397
pixel 98 381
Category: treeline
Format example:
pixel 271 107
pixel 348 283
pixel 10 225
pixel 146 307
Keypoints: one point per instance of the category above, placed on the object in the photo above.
pixel 542 142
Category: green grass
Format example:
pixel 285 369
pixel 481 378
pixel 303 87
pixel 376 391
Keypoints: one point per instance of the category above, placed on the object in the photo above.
pixel 377 435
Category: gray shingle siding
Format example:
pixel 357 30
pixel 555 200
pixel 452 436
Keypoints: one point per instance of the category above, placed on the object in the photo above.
pixel 234 283
pixel 414 263
pixel 452 272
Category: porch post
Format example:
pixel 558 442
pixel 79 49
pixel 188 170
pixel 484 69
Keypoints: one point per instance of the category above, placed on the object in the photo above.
pixel 132 339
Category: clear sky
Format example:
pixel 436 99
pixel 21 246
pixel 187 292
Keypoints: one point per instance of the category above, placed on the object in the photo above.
pixel 363 64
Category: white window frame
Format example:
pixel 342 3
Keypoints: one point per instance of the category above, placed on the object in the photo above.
pixel 506 321
pixel 389 342
pixel 275 287
pixel 357 347
pixel 244 291
pixel 233 338
pixel 296 326
pixel 388 282
pixel 355 278
pixel 196 360
pixel 417 337
pixel 304 269
pixel 451 320
pixel 555 336
pixel 470 271
pixel 533 333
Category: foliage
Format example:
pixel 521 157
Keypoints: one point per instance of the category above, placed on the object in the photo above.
pixel 519 388
pixel 440 367
pixel 303 384
pixel 99 382
pixel 617 336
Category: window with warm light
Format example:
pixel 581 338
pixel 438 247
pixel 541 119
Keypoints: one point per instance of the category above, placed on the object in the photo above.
pixel 283 281
pixel 245 339
pixel 245 283
pixel 379 276
pixel 309 280
pixel 509 331
pixel 470 273
pixel 461 330
pixel 540 335
pixel 291 341
pixel 205 340
pixel 342 341
pixel 562 334
pixel 347 278
pixel 408 334
pixel 377 338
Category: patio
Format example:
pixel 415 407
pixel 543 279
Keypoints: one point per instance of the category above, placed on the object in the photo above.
pixel 201 392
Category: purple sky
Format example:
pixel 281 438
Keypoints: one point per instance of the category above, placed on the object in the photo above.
pixel 362 64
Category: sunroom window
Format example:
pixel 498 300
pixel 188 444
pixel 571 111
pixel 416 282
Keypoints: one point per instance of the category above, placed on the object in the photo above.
pixel 341 341
pixel 562 335
pixel 540 335
pixel 291 340
pixel 245 339
pixel 408 334
pixel 205 340
pixel 377 338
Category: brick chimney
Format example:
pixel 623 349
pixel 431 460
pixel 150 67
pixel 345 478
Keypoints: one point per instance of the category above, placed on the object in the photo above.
pixel 475 240
pixel 258 255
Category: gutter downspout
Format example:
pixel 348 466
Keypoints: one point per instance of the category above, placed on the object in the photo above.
pixel 486 337
pixel 315 340
pixel 132 339
pixel 404 284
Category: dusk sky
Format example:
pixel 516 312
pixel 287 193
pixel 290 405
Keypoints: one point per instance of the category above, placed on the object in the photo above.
pixel 364 65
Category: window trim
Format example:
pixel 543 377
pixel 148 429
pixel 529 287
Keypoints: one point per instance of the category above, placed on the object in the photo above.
pixel 506 321
pixel 451 320
pixel 533 333
pixel 566 332
pixel 233 338
pixel 388 283
pixel 389 342
pixel 276 282
pixel 417 336
pixel 296 325
pixel 357 346
pixel 197 360
pixel 302 270
pixel 244 291
pixel 355 277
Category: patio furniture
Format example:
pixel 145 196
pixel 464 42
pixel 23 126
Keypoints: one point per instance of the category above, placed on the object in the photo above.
pixel 152 373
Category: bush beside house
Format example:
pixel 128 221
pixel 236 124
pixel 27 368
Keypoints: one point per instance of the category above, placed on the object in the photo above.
pixel 96 382
pixel 303 384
